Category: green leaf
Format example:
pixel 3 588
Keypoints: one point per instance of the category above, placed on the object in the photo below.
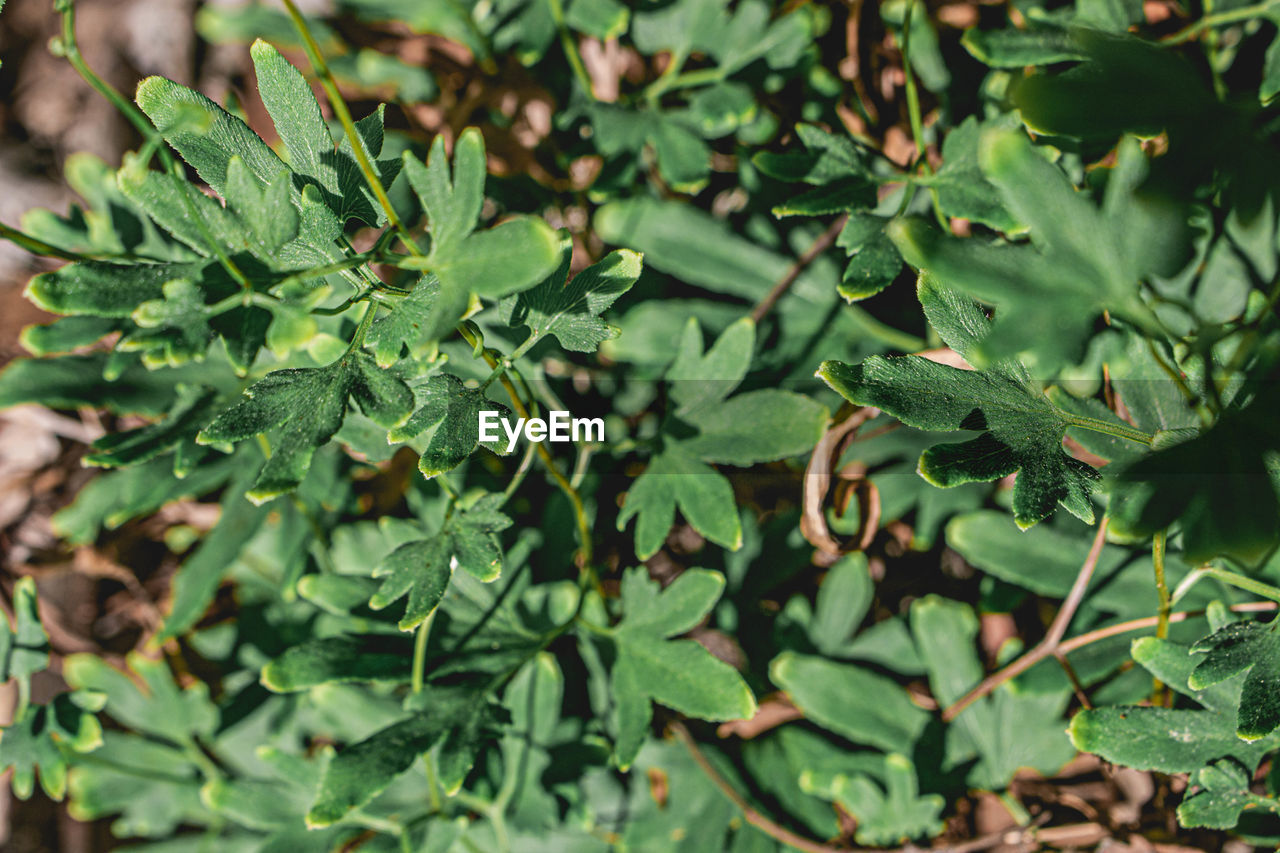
pixel 209 138
pixel 66 334
pixel 152 787
pixel 422 568
pixel 457 718
pixel 853 702
pixel 570 309
pixel 189 412
pixel 1244 647
pixel 115 497
pixel 37 742
pixel 1171 740
pixel 1173 663
pixel 326 660
pixel 1219 796
pixel 885 816
pixel 602 19
pixel 962 189
pixel 843 601
pixel 1166 740
pixel 24 646
pixel 406 325
pixel 153 703
pixel 312 156
pixel 97 289
pixel 827 158
pixel 452 203
pixel 1017 48
pixel 507 259
pixel 699 380
pixel 678 673
pixel 759 426
pixel 448 423
pixel 1081 262
pixel 301 408
pixel 945 633
pixel 874 264
pixel 1046 561
pixel 1221 487
pixel 196 582
pixel 72 381
pixel 674 478
pixel 1020 430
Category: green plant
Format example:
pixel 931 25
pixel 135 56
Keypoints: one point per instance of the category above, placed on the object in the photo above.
pixel 471 656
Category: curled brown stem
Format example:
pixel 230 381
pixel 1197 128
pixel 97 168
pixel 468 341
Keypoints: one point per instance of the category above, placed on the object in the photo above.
pixel 817 483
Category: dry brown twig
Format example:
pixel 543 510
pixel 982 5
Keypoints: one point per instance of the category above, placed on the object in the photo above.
pixel 818 475
pixel 1050 644
pixel 1009 837
pixel 823 242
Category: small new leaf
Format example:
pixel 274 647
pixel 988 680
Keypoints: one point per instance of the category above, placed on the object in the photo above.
pixel 422 568
pixel 24 646
pixel 450 418
pixel 674 478
pixel 570 309
pixel 506 259
pixel 1220 795
pixel 407 323
pixel 885 816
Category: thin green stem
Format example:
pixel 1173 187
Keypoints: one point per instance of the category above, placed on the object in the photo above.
pixel 418 675
pixel 1221 19
pixel 667 78
pixel 24 698
pixel 1176 377
pixel 913 96
pixel 526 462
pixel 71 49
pixel 1118 430
pixel 433 784
pixel 1248 584
pixel 326 269
pixel 357 340
pixel 447 487
pixel 193 751
pixel 1162 585
pixel 571 48
pixel 575 500
pixel 37 246
pixel 348 125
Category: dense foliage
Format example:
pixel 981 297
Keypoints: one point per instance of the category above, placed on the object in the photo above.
pixel 1049 347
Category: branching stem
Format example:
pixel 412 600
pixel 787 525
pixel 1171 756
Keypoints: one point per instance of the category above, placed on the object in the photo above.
pixel 1052 642
pixel 1248 584
pixel 575 500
